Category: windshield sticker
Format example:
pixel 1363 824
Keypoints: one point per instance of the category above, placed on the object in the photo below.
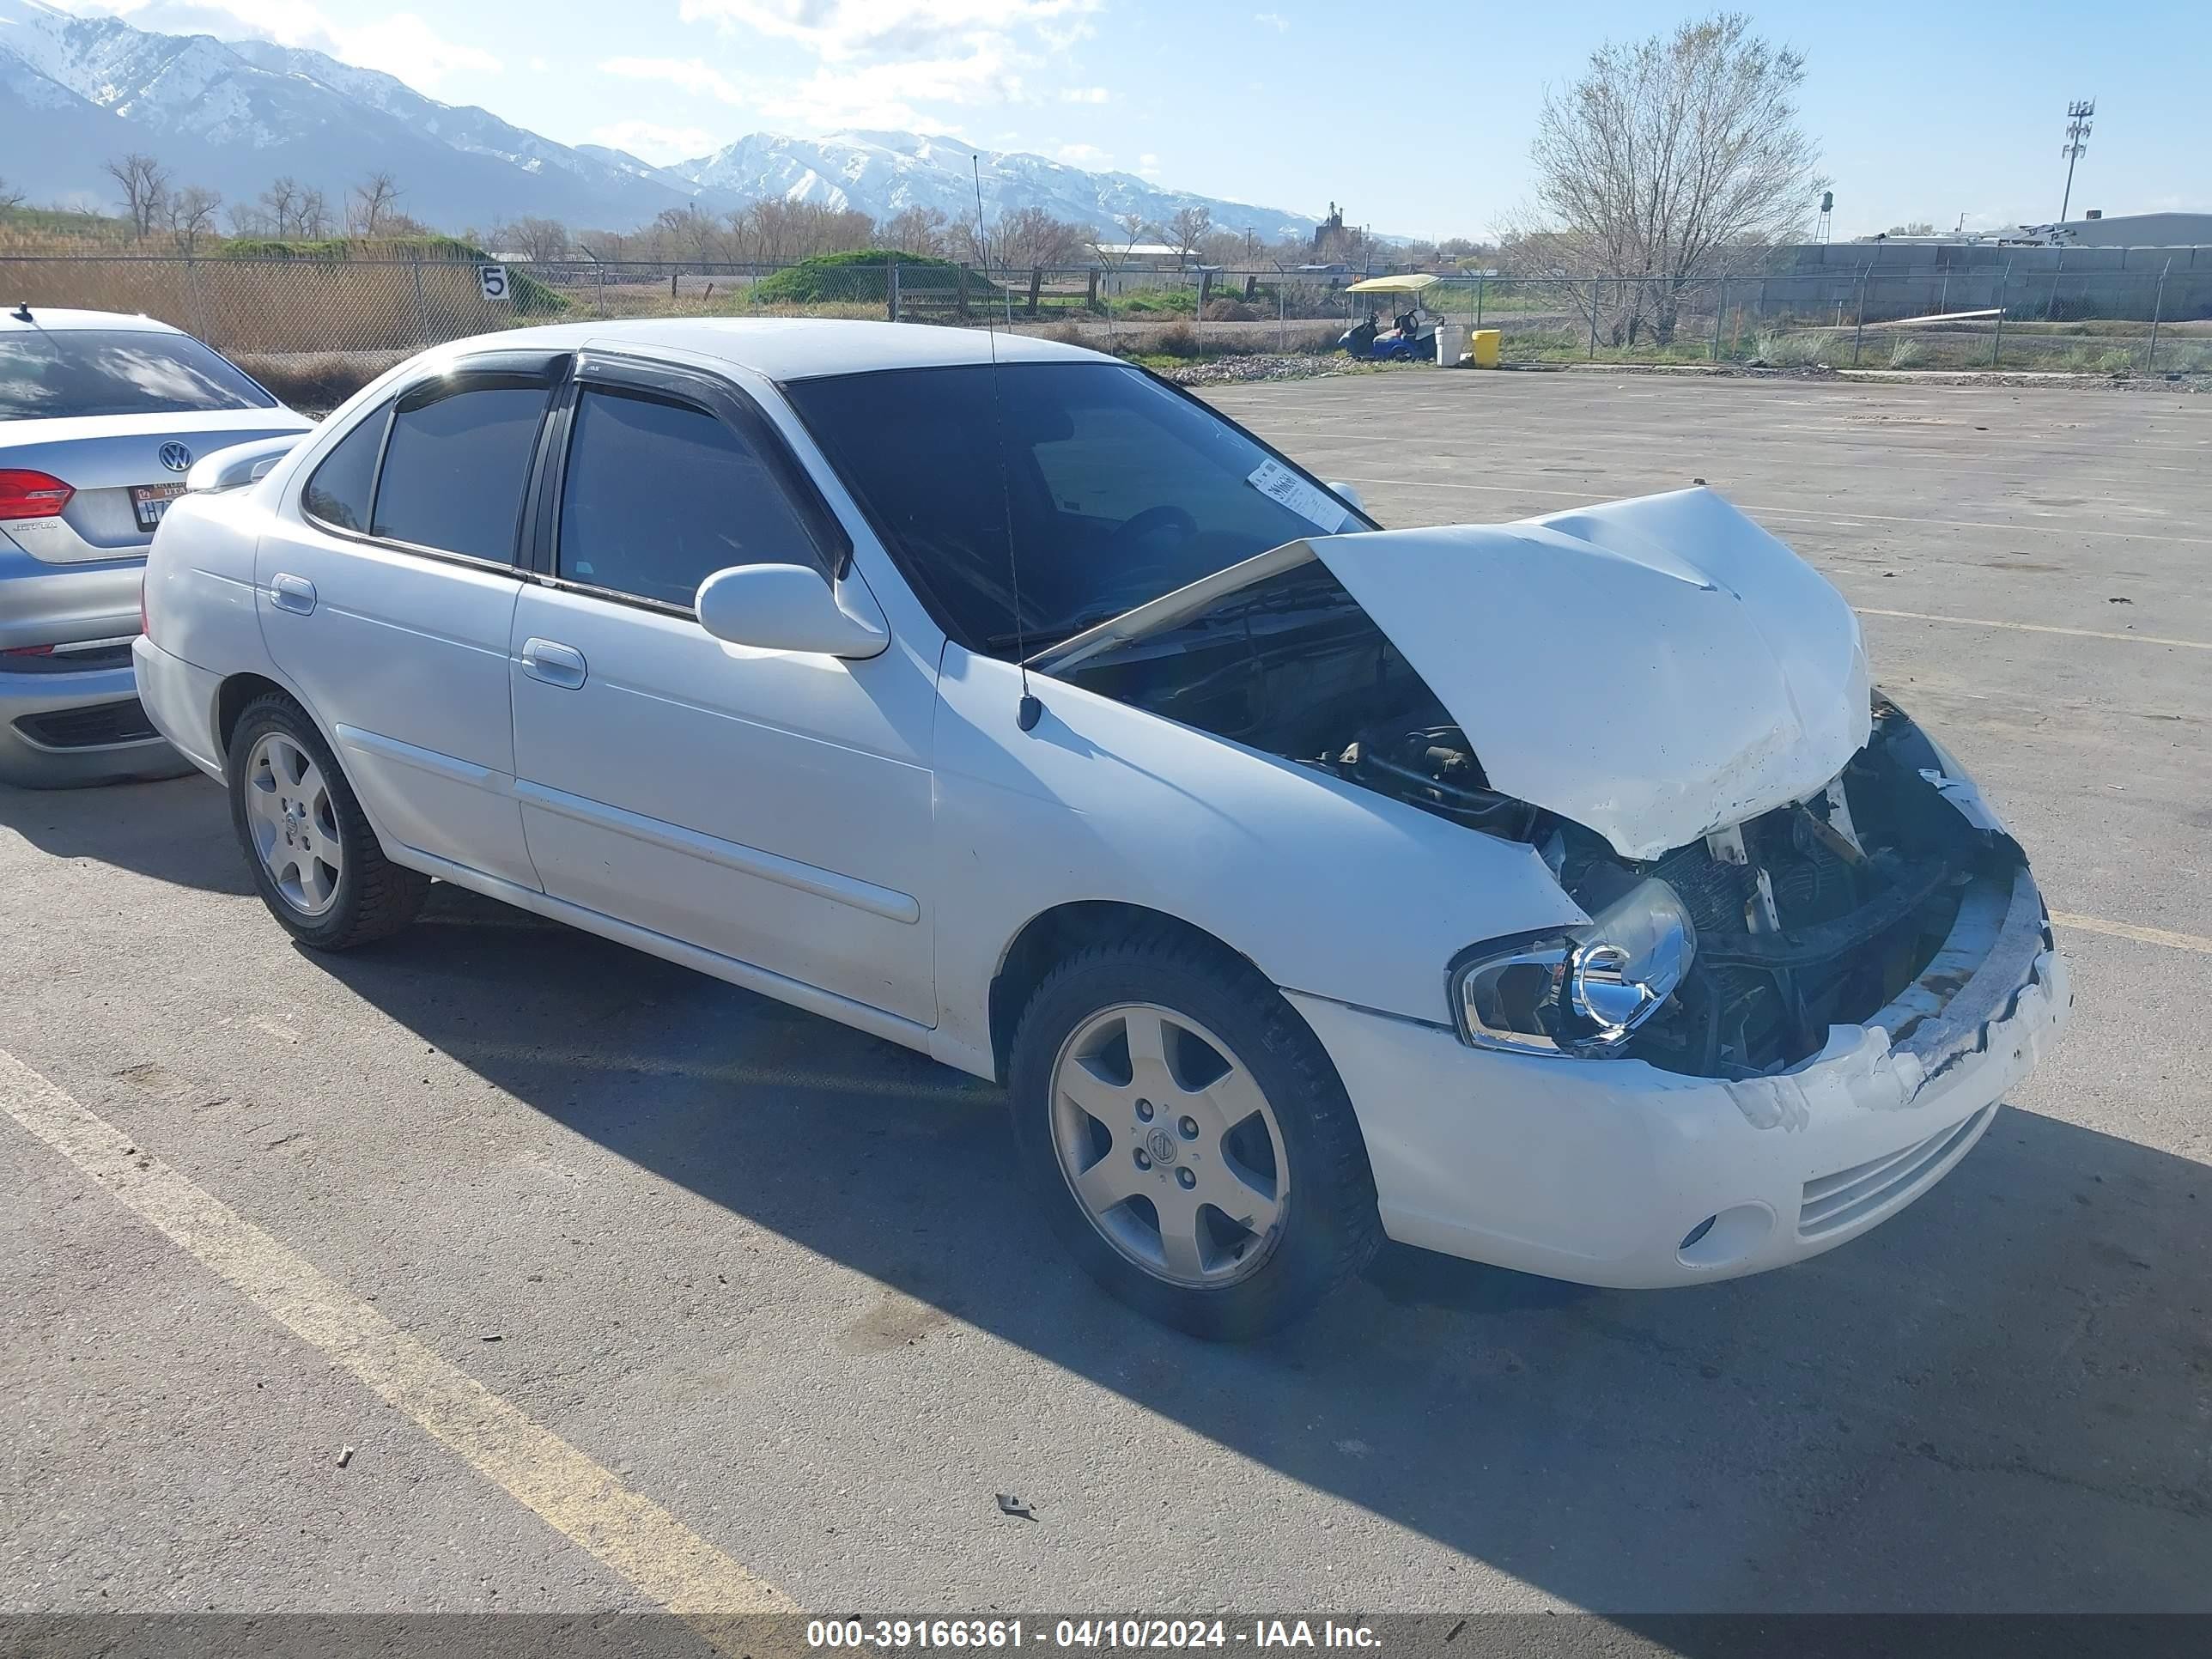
pixel 1310 501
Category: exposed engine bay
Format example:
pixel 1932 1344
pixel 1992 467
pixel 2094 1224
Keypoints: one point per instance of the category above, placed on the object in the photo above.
pixel 1817 912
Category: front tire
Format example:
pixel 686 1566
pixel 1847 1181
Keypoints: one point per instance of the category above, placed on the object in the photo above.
pixel 1191 1144
pixel 314 858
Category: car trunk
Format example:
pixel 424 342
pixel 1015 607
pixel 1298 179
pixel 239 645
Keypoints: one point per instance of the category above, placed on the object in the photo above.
pixel 103 458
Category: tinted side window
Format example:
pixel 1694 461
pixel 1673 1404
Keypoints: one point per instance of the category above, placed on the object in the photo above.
pixel 338 492
pixel 660 496
pixel 455 464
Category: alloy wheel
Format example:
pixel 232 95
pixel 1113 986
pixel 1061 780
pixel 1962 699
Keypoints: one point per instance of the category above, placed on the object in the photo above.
pixel 1168 1144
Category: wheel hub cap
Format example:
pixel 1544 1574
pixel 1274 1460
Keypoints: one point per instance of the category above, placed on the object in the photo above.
pixel 1168 1146
pixel 293 823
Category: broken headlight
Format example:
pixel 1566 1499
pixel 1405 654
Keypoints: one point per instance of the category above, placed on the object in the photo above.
pixel 1582 992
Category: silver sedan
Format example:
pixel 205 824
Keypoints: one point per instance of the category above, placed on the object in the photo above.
pixel 101 415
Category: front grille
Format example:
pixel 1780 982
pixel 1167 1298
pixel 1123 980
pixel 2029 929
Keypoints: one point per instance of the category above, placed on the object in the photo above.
pixel 1837 1200
pixel 88 728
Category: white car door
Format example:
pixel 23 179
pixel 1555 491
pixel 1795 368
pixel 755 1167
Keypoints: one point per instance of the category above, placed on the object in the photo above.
pixel 387 590
pixel 774 807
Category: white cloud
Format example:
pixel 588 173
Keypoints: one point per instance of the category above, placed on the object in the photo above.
pixel 889 94
pixel 402 44
pixel 1083 155
pixel 909 64
pixel 655 142
pixel 693 75
pixel 1273 19
pixel 1085 96
pixel 835 30
pixel 1148 166
pixel 538 66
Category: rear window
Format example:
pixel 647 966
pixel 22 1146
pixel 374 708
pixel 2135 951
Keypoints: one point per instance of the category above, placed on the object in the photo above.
pixel 456 463
pixel 77 371
pixel 339 492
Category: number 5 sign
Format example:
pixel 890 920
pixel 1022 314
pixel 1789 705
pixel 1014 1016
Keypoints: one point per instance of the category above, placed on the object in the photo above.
pixel 492 279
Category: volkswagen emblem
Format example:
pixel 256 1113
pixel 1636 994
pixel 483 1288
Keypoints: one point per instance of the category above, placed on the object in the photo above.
pixel 176 457
pixel 1162 1146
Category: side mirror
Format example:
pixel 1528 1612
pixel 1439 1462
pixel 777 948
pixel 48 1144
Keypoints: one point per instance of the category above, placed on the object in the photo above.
pixel 789 607
pixel 1350 492
pixel 242 464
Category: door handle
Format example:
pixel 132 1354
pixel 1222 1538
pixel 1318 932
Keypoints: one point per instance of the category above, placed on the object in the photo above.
pixel 554 663
pixel 293 594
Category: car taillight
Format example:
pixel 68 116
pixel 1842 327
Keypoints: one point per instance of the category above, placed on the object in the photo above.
pixel 28 495
pixel 144 627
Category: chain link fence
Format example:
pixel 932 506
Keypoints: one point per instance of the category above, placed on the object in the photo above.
pixel 315 328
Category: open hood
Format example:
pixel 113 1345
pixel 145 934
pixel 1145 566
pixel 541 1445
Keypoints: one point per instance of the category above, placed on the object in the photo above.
pixel 1655 669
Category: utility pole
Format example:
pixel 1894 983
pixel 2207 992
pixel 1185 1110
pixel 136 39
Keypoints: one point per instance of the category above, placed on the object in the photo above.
pixel 2077 129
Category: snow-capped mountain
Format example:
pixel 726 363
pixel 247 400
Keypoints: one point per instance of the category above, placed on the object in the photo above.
pixel 882 173
pixel 232 116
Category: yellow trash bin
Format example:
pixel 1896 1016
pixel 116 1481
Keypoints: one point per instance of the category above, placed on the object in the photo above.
pixel 1482 348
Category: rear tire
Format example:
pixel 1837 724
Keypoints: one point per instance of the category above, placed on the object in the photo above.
pixel 1213 1176
pixel 315 860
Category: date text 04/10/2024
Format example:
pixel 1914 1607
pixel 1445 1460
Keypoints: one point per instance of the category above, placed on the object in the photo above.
pixel 1111 1634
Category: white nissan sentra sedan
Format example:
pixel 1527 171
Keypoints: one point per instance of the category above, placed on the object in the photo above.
pixel 1558 894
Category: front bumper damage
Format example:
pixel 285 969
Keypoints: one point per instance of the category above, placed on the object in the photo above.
pixel 1616 1173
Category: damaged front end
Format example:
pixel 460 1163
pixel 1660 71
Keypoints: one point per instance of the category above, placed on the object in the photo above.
pixel 1766 849
pixel 1876 899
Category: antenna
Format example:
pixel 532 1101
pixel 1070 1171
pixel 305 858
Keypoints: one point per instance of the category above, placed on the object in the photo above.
pixel 1031 710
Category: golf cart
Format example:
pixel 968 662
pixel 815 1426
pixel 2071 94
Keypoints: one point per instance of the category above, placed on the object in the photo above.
pixel 1411 329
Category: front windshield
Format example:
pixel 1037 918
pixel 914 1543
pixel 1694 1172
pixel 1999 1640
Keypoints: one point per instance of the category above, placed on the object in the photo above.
pixel 1118 489
pixel 75 371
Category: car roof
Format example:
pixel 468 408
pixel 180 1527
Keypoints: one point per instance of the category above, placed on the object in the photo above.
pixel 55 318
pixel 795 347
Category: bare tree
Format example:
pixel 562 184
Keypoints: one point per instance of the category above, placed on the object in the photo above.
pixel 535 238
pixel 9 195
pixel 1032 236
pixel 1189 227
pixel 372 204
pixel 915 230
pixel 144 182
pixel 314 215
pixel 281 206
pixel 192 216
pixel 1668 155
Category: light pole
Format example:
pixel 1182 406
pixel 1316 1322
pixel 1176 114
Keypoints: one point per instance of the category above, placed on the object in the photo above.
pixel 2077 129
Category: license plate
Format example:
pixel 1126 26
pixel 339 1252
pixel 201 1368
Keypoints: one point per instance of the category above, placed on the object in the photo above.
pixel 150 502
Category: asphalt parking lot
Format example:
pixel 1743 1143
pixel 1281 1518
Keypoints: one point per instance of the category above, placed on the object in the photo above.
pixel 774 1280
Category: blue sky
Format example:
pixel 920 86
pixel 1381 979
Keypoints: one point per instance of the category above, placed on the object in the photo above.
pixel 1416 115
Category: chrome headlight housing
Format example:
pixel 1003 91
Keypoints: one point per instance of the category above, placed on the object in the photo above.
pixel 1582 992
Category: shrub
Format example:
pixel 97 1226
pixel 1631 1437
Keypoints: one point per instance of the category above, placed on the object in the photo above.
pixel 1065 334
pixel 1793 350
pixel 1230 311
pixel 1177 339
pixel 861 275
pixel 1904 353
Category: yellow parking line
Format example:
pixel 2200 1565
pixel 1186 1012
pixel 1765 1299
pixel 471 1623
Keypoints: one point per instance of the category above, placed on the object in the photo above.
pixel 2037 627
pixel 2129 930
pixel 567 1490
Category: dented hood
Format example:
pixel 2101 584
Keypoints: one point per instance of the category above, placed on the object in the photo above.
pixel 1655 669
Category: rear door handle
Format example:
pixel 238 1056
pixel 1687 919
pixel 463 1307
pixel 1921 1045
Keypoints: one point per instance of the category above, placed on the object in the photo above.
pixel 295 593
pixel 554 663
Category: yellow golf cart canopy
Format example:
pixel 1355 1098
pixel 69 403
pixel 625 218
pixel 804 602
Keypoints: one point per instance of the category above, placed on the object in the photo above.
pixel 1412 284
